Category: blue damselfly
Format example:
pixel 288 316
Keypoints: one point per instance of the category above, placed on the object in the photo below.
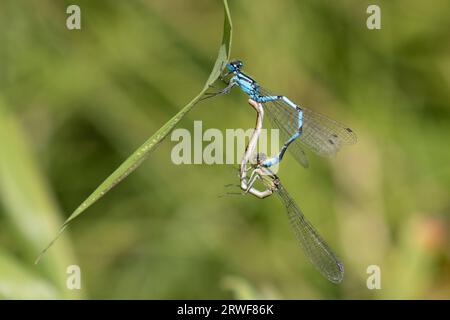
pixel 298 125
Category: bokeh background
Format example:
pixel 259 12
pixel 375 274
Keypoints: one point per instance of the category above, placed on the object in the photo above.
pixel 75 104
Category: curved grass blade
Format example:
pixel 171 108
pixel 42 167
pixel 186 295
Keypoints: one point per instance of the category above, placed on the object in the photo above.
pixel 130 164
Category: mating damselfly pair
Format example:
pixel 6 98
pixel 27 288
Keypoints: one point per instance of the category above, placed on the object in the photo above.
pixel 298 126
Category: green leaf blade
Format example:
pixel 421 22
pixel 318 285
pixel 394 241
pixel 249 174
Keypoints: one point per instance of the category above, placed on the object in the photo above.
pixel 138 156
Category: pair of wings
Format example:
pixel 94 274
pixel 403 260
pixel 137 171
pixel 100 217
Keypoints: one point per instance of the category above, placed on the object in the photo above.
pixel 324 136
pixel 315 248
pixel 320 134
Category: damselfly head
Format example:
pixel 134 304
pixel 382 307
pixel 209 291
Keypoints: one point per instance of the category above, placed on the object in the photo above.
pixel 234 66
pixel 259 158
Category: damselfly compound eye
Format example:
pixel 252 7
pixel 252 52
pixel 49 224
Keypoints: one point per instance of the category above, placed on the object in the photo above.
pixel 234 65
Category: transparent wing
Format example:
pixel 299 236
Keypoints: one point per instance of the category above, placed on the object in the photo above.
pixel 284 125
pixel 315 248
pixel 321 134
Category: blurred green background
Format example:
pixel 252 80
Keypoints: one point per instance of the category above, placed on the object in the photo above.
pixel 75 104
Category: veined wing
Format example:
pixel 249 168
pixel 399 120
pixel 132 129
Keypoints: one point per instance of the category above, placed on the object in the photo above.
pixel 283 123
pixel 321 134
pixel 315 248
